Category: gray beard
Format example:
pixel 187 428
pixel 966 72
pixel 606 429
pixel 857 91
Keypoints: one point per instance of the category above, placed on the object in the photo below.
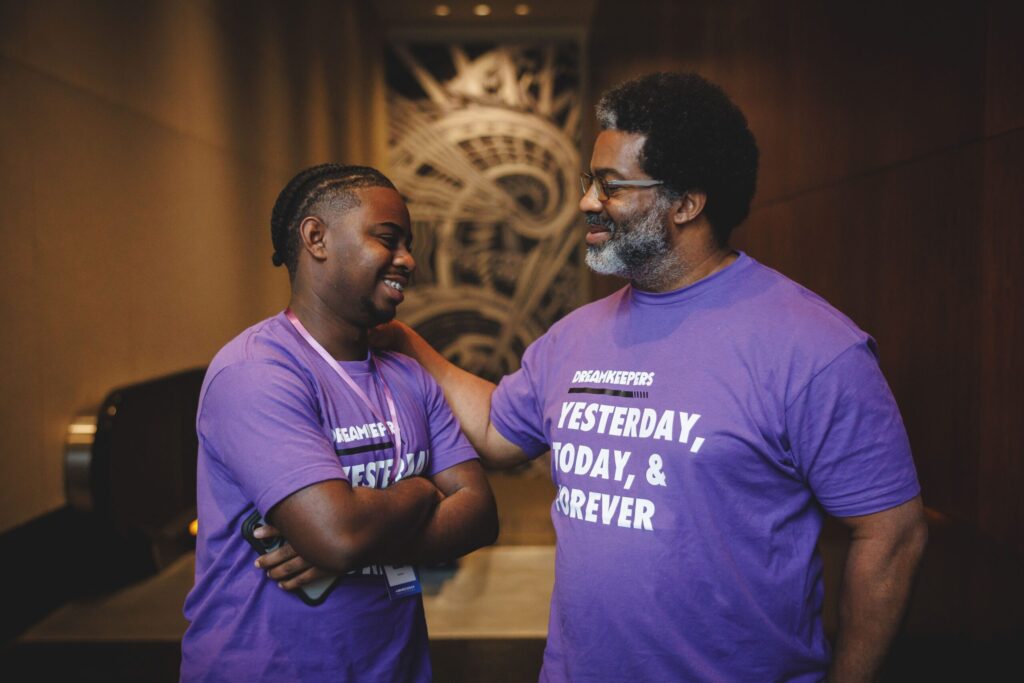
pixel 638 250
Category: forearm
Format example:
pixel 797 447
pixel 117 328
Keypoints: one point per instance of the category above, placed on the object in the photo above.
pixel 370 523
pixel 416 521
pixel 468 395
pixel 460 524
pixel 873 597
pixel 470 399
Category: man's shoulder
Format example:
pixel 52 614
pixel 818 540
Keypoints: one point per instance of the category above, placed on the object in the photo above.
pixel 778 304
pixel 267 340
pixel 398 366
pixel 260 350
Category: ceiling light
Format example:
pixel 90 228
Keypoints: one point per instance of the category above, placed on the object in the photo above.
pixel 482 10
pixel 442 10
pixel 522 10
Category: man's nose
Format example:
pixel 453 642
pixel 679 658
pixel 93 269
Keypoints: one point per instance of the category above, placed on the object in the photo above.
pixel 404 259
pixel 589 203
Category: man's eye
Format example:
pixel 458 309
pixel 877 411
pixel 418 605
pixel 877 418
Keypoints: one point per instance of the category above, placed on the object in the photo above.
pixel 390 240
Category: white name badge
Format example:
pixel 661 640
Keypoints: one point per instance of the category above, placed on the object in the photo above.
pixel 402 581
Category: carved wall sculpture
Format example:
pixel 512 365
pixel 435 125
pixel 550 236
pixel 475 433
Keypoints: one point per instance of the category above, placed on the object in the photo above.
pixel 483 143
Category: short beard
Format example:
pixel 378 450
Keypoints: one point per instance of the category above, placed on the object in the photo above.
pixel 637 249
pixel 374 315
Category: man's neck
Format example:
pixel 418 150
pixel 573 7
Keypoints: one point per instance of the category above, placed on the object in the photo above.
pixel 683 268
pixel 341 339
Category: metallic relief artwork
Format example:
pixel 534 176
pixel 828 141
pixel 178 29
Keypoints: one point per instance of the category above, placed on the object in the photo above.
pixel 483 144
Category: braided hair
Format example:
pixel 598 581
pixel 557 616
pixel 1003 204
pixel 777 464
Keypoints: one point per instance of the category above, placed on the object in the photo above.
pixel 307 193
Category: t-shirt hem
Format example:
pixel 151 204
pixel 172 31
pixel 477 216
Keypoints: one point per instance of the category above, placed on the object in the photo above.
pixel 880 503
pixel 454 458
pixel 530 447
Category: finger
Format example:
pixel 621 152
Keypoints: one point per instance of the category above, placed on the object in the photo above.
pixel 265 531
pixel 299 580
pixel 289 569
pixel 276 557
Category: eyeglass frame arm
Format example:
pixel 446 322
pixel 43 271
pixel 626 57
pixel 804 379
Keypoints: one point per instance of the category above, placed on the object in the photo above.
pixel 587 181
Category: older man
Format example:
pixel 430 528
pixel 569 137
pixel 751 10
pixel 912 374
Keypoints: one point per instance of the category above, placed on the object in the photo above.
pixel 702 421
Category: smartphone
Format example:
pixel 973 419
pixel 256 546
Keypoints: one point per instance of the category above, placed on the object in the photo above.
pixel 312 593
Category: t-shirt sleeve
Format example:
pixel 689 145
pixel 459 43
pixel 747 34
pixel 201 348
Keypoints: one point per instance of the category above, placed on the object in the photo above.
pixel 448 445
pixel 260 420
pixel 516 410
pixel 848 438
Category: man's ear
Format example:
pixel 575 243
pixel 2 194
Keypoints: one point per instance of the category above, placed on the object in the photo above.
pixel 689 206
pixel 312 231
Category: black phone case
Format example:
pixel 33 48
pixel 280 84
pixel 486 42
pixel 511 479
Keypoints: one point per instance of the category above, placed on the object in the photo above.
pixel 312 594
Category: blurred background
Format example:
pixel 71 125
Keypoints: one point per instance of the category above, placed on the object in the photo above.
pixel 142 145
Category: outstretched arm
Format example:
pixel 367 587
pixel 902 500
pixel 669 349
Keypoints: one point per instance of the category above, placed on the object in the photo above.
pixel 885 549
pixel 468 395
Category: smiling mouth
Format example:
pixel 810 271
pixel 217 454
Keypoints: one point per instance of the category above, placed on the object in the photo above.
pixel 598 223
pixel 395 285
pixel 599 230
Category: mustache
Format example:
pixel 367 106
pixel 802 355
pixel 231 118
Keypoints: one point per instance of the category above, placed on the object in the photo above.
pixel 598 219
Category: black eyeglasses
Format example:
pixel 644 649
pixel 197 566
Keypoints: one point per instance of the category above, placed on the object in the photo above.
pixel 604 187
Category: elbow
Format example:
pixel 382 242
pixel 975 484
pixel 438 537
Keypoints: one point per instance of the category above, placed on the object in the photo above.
pixel 909 547
pixel 481 527
pixel 489 524
pixel 350 553
pixel 489 534
pixel 341 552
pixel 918 541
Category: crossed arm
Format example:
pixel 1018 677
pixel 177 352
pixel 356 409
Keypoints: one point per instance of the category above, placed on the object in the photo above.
pixel 332 527
pixel 885 549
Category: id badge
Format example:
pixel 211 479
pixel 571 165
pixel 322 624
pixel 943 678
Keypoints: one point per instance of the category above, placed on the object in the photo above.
pixel 402 581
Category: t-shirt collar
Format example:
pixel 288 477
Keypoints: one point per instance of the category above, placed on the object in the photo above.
pixel 693 290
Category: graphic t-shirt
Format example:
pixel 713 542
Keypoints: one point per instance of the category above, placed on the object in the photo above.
pixel 274 418
pixel 697 439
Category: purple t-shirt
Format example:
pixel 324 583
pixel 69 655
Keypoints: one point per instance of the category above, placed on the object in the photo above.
pixel 273 419
pixel 697 439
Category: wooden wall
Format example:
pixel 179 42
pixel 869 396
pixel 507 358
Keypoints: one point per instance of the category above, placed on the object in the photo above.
pixel 892 183
pixel 143 145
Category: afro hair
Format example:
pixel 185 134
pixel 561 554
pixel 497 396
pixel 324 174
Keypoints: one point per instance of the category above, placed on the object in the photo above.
pixel 697 139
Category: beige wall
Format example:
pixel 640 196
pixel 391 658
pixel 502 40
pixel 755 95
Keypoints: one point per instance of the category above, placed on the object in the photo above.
pixel 142 146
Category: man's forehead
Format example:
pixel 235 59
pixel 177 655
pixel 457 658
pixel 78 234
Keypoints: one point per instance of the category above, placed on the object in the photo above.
pixel 381 205
pixel 617 151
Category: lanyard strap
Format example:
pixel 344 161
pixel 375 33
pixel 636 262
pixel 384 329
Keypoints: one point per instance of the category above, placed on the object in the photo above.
pixel 357 390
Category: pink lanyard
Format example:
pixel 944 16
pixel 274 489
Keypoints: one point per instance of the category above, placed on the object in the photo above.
pixel 377 377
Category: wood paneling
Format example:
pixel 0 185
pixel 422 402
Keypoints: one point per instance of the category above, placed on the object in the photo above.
pixel 1001 446
pixel 1004 92
pixel 831 89
pixel 888 250
pixel 890 184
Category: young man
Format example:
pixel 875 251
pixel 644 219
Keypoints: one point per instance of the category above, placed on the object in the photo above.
pixel 299 422
pixel 701 422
